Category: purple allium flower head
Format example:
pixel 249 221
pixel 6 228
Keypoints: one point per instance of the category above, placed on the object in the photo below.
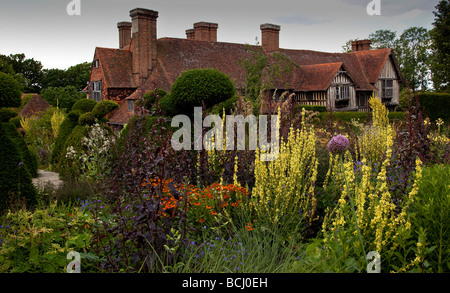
pixel 339 144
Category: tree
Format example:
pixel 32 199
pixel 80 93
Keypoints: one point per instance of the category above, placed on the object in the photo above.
pixel 10 91
pixel 413 55
pixel 383 38
pixel 64 97
pixel 30 69
pixel 441 47
pixel 76 76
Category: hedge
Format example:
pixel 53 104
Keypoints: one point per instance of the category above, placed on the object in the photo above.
pixel 15 180
pixel 29 159
pixel 362 117
pixel 316 108
pixel 10 91
pixel 435 105
pixel 69 123
pixel 6 114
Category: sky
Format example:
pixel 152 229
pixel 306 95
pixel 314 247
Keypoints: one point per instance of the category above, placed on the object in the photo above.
pixel 43 30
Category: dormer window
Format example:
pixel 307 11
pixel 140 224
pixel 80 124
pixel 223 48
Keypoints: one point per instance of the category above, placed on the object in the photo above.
pixel 95 63
pixel 130 105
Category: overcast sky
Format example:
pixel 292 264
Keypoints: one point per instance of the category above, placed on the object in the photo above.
pixel 43 30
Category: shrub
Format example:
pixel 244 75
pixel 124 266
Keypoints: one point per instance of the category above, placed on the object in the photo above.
pixel 6 114
pixel 65 130
pixel 149 99
pixel 435 105
pixel 38 241
pixel 15 181
pixel 431 212
pixel 10 91
pixel 69 166
pixel 86 119
pixel 15 121
pixel 103 108
pixel 29 159
pixel 85 105
pixel 194 86
pixel 225 105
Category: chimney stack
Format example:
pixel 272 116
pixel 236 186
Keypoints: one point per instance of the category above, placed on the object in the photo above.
pixel 270 37
pixel 203 31
pixel 124 35
pixel 144 42
pixel 361 45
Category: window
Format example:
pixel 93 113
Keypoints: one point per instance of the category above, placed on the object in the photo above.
pixel 130 105
pixel 95 63
pixel 387 88
pixel 97 91
pixel 342 92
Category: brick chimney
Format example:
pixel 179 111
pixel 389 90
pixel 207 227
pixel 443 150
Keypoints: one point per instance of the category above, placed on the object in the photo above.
pixel 124 34
pixel 144 42
pixel 270 37
pixel 361 45
pixel 190 34
pixel 203 31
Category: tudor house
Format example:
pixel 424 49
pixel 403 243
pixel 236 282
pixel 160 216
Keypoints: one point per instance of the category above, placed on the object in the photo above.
pixel 143 62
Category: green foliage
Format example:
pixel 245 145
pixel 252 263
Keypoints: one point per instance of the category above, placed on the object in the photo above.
pixel 10 91
pixel 103 108
pixel 65 130
pixel 15 121
pixel 225 105
pixel 38 241
pixel 63 97
pixel 431 212
pixel 254 65
pixel 435 105
pixel 194 86
pixel 67 166
pixel 76 76
pixel 86 119
pixel 6 114
pixel 15 181
pixel 440 65
pixel 28 71
pixel 85 105
pixel 149 99
pixel 29 159
pixel 298 109
pixel 361 117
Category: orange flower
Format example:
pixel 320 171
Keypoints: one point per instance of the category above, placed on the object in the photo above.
pixel 249 226
pixel 213 213
pixel 201 220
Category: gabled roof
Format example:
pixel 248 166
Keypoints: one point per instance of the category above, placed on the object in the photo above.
pixel 174 56
pixel 35 106
pixel 117 67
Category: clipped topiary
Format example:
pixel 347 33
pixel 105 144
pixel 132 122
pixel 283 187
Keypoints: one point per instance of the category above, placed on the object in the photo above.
pixel 85 105
pixel 15 180
pixel 29 159
pixel 67 166
pixel 86 119
pixel 10 91
pixel 65 129
pixel 149 99
pixel 194 86
pixel 104 107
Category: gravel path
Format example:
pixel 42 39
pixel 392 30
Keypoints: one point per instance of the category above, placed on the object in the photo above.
pixel 47 176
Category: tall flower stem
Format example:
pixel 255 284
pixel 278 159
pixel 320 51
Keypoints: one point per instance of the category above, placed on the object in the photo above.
pixel 355 217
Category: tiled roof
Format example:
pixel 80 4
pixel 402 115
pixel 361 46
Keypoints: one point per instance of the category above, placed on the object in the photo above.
pixel 117 67
pixel 35 106
pixel 121 115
